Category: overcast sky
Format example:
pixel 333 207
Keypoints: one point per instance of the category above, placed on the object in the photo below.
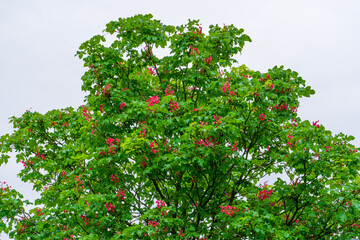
pixel 318 39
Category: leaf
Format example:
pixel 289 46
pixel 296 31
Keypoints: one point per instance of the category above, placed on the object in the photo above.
pixel 342 217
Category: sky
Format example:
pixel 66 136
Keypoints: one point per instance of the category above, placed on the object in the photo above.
pixel 317 38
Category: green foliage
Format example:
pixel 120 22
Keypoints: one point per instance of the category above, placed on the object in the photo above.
pixel 176 147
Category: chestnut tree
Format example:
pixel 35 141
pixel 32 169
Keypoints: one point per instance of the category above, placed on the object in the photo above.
pixel 174 141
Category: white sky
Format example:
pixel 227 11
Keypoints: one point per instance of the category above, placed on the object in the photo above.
pixel 317 38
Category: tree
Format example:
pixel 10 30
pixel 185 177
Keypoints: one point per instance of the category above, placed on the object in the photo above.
pixel 177 147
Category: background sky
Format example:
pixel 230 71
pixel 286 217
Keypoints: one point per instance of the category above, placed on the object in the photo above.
pixel 317 38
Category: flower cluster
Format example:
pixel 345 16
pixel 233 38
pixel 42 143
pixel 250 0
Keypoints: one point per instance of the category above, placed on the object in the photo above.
pixel 207 143
pixel 267 77
pixel 40 156
pixel 328 148
pixel 262 117
pixel 234 147
pixel 352 150
pixel 122 105
pixel 356 225
pixel 173 105
pixel 143 132
pixel 228 210
pixel 152 101
pixel 294 109
pixel 86 113
pixel 226 87
pixel 38 212
pixel 221 72
pixel 208 60
pixel 153 147
pixel 22 228
pixel 281 107
pixel 110 207
pixel 107 89
pixel 80 183
pixel 111 142
pixel 160 203
pixel 169 91
pixel 193 50
pixel 153 223
pixel 121 194
pixel 86 220
pixel 95 72
pixel 66 228
pixel 197 109
pixel 169 148
pixel 315 124
pixel 264 194
pixel 290 136
pixel 217 119
pixel 148 51
pixel 114 178
pixel 199 31
pixel 25 163
pixel 152 71
pixel 101 108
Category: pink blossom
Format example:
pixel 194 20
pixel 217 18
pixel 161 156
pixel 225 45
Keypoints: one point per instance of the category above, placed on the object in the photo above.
pixel 110 207
pixel 122 105
pixel 262 117
pixel 173 105
pixel 152 101
pixel 228 210
pixel 107 89
pixel 169 91
pixel 153 223
pixel 121 194
pixel 315 124
pixel 152 71
pixel 225 87
pixel 153 145
pixel 217 119
pixel 193 50
pixel 101 108
pixel 264 194
pixel 208 60
pixel 160 203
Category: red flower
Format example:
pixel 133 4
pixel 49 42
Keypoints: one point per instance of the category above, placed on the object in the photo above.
pixel 264 194
pixel 122 105
pixel 152 71
pixel 208 60
pixel 106 89
pixel 262 117
pixel 173 105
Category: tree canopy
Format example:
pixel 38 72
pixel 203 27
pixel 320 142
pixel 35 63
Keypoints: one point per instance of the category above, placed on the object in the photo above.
pixel 177 147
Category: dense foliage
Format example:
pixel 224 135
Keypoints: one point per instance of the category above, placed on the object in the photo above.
pixel 177 147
